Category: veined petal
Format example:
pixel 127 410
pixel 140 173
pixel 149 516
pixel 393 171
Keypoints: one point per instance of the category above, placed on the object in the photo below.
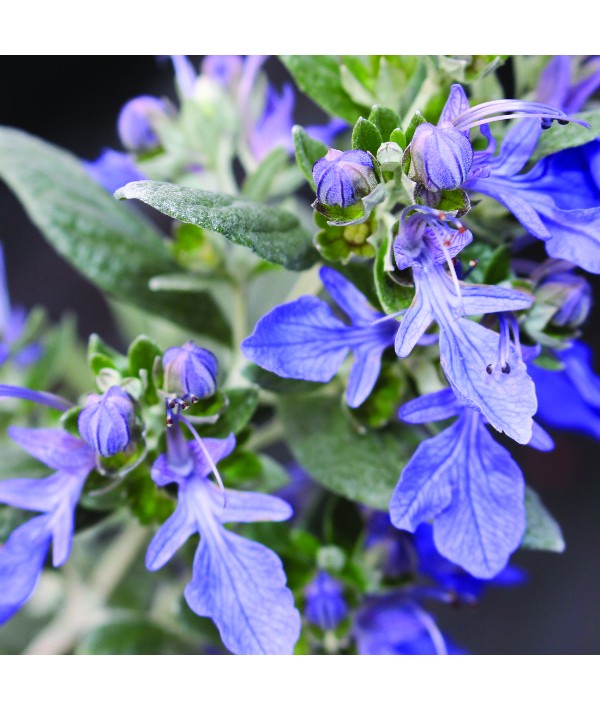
pixel 456 104
pixel 514 202
pixel 482 299
pixel 240 585
pixel 507 400
pixel 248 506
pixel 21 561
pixel 352 301
pixel 415 322
pixel 217 448
pixel 173 533
pixel 575 236
pixel 517 147
pixel 431 407
pixel 486 520
pixel 364 373
pixel 302 339
pixel 55 448
pixel 427 483
pixel 32 494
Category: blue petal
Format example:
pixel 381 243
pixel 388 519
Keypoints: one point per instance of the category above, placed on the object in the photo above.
pixel 425 488
pixel 486 520
pixel 32 494
pixel 415 322
pixel 240 585
pixel 112 169
pixel 482 299
pixel 173 533
pixel 55 448
pixel 248 506
pixel 517 147
pixel 540 439
pixel 352 301
pixel 185 74
pixel 302 339
pixel 578 360
pixel 431 407
pixel 21 561
pixel 325 604
pixel 393 624
pixel 456 104
pixel 364 374
pixel 217 448
pixel 507 400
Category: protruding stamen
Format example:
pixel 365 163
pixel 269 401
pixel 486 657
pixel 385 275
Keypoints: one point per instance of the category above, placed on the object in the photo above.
pixel 209 459
pixel 503 347
pixel 499 110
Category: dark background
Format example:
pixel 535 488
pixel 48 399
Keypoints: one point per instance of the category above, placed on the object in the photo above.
pixel 74 102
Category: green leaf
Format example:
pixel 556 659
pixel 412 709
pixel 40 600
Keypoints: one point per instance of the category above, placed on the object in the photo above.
pixel 415 121
pixel 558 137
pixel 498 267
pixel 393 296
pixel 454 200
pixel 386 120
pixel 242 404
pixel 110 245
pixel 366 136
pixel 273 234
pixel 258 184
pixel 269 381
pixel 129 636
pixel 142 355
pixel 101 355
pixel 308 152
pixel 397 135
pixel 319 77
pixel 362 467
pixel 543 532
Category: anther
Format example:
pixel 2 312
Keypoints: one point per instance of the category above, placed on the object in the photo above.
pixel 172 404
pixel 193 399
pixel 545 123
pixel 489 368
pixel 184 405
pixel 563 122
pixel 506 368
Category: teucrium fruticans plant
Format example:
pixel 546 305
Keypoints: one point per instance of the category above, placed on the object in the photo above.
pixel 311 354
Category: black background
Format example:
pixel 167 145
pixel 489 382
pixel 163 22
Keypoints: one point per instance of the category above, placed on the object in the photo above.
pixel 74 102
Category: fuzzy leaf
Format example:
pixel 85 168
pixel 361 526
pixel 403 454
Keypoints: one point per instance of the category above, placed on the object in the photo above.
pixel 273 234
pixel 362 467
pixel 115 248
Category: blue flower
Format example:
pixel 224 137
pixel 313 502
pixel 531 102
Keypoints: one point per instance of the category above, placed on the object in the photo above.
pixel 113 169
pixel 106 420
pixel 238 583
pixel 13 320
pixel 442 156
pixel 325 603
pixel 304 340
pixel 190 372
pixel 135 123
pixel 396 624
pixel 569 399
pixel 348 186
pixel 467 483
pixel 566 297
pixel 558 200
pixel 22 556
pixel 484 368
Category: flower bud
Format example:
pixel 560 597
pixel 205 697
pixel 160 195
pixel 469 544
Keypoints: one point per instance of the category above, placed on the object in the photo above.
pixel 390 155
pixel 441 158
pixel 572 296
pixel 135 123
pixel 106 420
pixel 325 604
pixel 190 371
pixel 343 179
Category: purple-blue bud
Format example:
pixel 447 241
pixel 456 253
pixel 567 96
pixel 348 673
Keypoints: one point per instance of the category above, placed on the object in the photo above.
pixel 106 420
pixel 441 158
pixel 190 371
pixel 325 604
pixel 135 123
pixel 344 177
